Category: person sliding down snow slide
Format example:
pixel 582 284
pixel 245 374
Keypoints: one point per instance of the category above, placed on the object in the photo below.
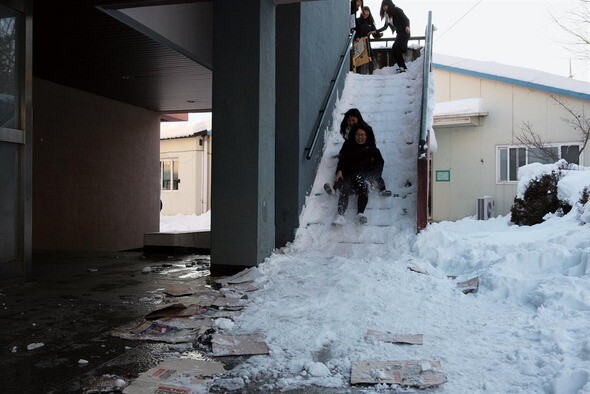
pixel 359 167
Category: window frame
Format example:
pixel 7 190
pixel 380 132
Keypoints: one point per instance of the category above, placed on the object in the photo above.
pixel 171 160
pixel 499 148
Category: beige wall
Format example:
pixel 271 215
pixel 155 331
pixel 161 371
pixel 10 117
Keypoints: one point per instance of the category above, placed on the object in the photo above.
pixel 189 198
pixel 470 152
pixel 95 171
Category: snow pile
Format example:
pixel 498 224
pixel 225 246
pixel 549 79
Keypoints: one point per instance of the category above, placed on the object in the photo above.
pixel 463 107
pixel 185 223
pixel 182 129
pixel 524 331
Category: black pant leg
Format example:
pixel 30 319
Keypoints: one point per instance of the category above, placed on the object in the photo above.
pixel 362 190
pixel 398 56
pixel 346 188
pixel 400 46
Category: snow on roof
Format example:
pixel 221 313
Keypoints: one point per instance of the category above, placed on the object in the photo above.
pixel 463 107
pixel 515 75
pixel 170 130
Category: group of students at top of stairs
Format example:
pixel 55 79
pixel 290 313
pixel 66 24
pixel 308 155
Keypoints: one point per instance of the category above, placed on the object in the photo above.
pixel 360 165
pixel 364 26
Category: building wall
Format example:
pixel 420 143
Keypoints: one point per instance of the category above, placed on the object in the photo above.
pixel 188 199
pixel 96 171
pixel 470 152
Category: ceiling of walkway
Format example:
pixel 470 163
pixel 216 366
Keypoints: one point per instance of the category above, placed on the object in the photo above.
pixel 118 49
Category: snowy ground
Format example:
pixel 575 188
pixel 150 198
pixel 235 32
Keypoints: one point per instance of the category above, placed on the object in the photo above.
pixel 181 223
pixel 524 331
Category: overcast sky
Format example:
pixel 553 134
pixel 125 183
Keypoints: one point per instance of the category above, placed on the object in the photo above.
pixel 520 33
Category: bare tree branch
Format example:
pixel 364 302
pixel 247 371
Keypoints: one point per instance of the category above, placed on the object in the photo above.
pixel 576 23
pixel 576 120
pixel 531 140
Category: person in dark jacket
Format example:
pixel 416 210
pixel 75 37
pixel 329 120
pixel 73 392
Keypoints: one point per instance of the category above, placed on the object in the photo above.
pixel 359 167
pixel 365 27
pixel 354 6
pixel 351 117
pixel 399 23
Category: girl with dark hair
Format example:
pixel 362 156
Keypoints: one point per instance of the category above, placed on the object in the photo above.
pixel 365 26
pixel 359 167
pixel 351 117
pixel 354 6
pixel 399 23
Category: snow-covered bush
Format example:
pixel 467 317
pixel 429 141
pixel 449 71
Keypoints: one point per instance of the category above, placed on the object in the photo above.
pixel 583 206
pixel 539 199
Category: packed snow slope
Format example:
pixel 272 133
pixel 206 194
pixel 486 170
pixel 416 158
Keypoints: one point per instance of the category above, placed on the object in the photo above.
pixel 524 331
pixel 390 104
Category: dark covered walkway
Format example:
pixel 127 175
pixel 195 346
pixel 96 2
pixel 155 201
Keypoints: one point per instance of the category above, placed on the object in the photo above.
pixel 71 305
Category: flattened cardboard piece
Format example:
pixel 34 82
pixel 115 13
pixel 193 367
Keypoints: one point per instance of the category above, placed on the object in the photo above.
pixel 183 322
pixel 421 374
pixel 178 289
pixel 201 300
pixel 229 302
pixel 361 53
pixel 217 301
pixel 205 312
pixel 415 268
pixel 238 345
pixel 155 331
pixel 247 275
pixel 141 387
pixel 175 376
pixel 167 310
pixel 241 287
pixel 404 339
pixel 469 286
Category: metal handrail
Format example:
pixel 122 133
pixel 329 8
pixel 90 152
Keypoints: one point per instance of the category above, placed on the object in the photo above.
pixel 387 39
pixel 427 68
pixel 322 113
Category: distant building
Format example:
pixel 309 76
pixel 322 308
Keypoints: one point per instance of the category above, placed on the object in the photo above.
pixel 480 108
pixel 185 167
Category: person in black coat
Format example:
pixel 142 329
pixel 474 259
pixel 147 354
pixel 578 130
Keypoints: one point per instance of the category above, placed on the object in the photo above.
pixel 399 23
pixel 354 6
pixel 360 165
pixel 351 117
pixel 365 26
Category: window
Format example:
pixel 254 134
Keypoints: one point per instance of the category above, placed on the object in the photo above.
pixel 511 158
pixel 169 174
pixel 9 68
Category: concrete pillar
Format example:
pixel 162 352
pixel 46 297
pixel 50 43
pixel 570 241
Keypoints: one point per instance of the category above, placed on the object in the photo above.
pixel 243 173
pixel 311 37
pixel 289 153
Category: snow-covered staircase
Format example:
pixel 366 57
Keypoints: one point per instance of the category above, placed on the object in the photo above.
pixel 390 104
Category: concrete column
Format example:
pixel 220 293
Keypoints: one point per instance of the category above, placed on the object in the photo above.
pixel 243 173
pixel 289 154
pixel 311 37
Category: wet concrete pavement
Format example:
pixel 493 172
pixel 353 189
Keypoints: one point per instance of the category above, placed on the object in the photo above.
pixel 71 304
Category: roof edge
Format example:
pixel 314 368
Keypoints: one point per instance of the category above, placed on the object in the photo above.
pixel 513 81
